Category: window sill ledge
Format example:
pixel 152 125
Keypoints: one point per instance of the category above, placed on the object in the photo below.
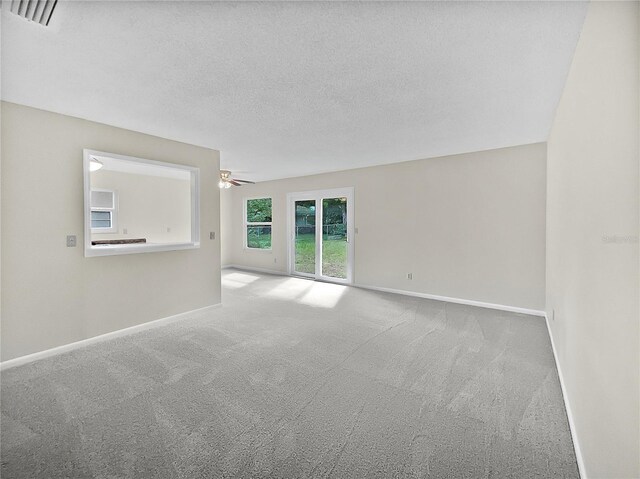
pixel 116 249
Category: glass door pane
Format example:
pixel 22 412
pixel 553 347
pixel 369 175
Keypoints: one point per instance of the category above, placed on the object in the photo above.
pixel 334 237
pixel 305 236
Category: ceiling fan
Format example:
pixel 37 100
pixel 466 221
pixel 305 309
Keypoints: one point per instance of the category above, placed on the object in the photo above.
pixel 227 182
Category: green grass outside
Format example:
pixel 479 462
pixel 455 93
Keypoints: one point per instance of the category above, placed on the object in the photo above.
pixel 334 255
pixel 262 241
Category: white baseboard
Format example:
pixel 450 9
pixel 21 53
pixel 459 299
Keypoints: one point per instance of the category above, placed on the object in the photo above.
pixel 567 406
pixel 469 302
pixel 11 363
pixel 257 270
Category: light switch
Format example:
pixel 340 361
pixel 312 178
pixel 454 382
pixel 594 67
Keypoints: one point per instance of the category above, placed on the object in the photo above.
pixel 212 235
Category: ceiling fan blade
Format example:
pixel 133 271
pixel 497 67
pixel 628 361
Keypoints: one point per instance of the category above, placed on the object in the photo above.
pixel 245 181
pixel 234 183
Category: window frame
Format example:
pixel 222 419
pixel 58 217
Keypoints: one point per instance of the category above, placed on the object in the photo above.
pixel 113 210
pixel 115 250
pixel 246 224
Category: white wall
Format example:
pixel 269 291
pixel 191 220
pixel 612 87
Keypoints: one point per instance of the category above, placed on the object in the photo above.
pixel 592 278
pixel 468 226
pixel 226 236
pixel 151 207
pixel 52 295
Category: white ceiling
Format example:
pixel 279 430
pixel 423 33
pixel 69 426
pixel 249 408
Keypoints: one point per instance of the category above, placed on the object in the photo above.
pixel 290 89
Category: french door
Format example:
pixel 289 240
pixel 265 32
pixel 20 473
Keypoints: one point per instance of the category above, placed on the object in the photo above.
pixel 320 236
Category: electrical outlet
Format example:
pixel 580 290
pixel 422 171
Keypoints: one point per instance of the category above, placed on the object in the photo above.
pixel 71 241
pixel 355 230
pixel 409 275
pixel 212 235
pixel 124 231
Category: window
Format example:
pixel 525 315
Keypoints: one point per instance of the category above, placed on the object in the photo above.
pixel 257 223
pixel 143 205
pixel 103 211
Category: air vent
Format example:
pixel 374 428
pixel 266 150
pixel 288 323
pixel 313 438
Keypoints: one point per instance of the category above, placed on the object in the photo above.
pixel 39 11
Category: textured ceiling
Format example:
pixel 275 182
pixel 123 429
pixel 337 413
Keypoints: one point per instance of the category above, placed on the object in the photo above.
pixel 289 89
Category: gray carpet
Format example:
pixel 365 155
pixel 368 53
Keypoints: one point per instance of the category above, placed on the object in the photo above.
pixel 293 379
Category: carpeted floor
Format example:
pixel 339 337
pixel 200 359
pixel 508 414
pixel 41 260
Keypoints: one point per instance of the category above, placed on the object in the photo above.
pixel 293 379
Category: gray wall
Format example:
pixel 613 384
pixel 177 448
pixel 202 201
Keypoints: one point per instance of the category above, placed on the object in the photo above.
pixel 52 295
pixel 468 226
pixel 592 240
